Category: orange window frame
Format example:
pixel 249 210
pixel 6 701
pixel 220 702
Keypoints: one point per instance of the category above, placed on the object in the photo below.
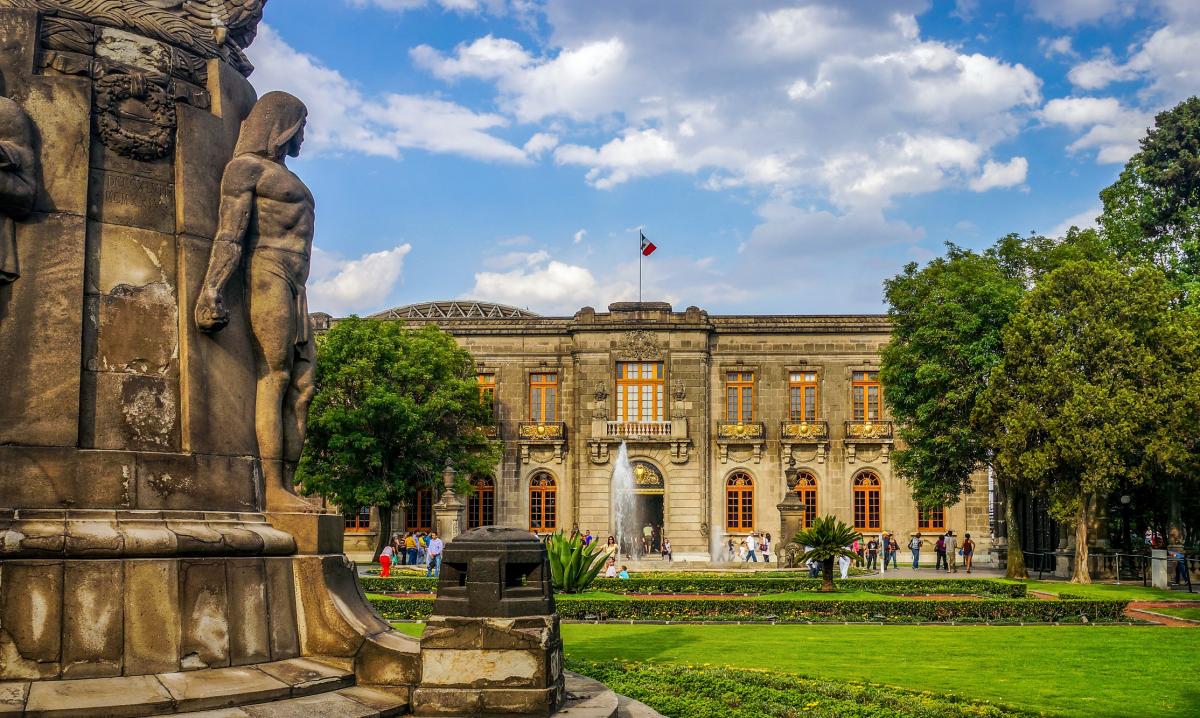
pixel 481 505
pixel 487 390
pixel 866 396
pixel 806 489
pixel 543 397
pixel 360 520
pixel 868 502
pixel 418 512
pixel 543 504
pixel 931 519
pixel 803 395
pixel 739 503
pixel 739 396
pixel 640 391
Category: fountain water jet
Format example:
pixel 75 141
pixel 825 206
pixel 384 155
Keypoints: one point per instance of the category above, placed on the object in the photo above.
pixel 624 501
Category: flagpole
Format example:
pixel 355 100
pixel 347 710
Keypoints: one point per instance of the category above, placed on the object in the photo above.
pixel 640 255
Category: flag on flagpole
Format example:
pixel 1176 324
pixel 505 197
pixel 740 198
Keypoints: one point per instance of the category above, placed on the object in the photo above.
pixel 648 247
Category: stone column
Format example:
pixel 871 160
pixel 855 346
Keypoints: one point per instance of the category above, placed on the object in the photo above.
pixel 450 510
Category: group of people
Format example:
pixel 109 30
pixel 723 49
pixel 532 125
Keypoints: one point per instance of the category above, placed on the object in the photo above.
pixel 749 548
pixel 652 542
pixel 414 548
pixel 946 548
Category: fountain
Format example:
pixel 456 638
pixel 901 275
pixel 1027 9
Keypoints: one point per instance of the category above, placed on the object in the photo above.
pixel 625 509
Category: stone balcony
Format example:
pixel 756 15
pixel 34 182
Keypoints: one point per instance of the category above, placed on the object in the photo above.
pixel 875 433
pixel 752 434
pixel 673 433
pixel 541 441
pixel 804 434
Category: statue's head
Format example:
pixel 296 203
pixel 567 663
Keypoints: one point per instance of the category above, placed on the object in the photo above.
pixel 274 128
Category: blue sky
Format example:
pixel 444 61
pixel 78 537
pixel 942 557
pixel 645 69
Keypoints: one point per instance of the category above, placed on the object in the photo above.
pixel 785 157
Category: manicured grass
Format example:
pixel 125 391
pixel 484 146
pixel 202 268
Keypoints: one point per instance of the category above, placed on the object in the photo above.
pixel 1192 613
pixel 835 596
pixel 1128 591
pixel 1092 671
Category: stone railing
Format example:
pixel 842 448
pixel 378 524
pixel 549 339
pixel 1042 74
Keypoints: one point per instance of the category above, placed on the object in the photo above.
pixel 802 431
pixel 879 431
pixel 541 431
pixel 638 429
pixel 607 434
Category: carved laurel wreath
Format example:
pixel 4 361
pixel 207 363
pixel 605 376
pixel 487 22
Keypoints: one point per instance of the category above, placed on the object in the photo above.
pixel 111 91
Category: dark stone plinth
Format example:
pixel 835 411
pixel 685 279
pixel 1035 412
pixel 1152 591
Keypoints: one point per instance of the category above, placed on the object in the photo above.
pixel 494 572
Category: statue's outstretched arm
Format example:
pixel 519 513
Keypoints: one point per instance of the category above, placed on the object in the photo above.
pixel 237 203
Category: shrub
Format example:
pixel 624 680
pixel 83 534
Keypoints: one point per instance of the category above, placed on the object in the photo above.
pixel 573 563
pixel 707 609
pixel 706 692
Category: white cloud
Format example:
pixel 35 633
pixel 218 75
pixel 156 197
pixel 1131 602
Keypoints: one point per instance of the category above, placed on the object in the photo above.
pixel 1078 12
pixel 1107 127
pixel 1055 46
pixel 541 282
pixel 343 286
pixel 1083 220
pixel 461 6
pixel 540 143
pixel 578 236
pixel 638 153
pixel 341 118
pixel 1001 174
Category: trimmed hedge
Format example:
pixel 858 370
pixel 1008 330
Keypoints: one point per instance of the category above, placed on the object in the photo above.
pixel 707 692
pixel 742 585
pixel 725 609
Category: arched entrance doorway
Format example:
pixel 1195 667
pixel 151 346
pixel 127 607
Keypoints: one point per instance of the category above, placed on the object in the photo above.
pixel 649 488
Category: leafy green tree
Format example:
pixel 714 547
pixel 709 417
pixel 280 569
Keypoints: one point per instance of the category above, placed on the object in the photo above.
pixel 392 407
pixel 573 563
pixel 827 540
pixel 1096 386
pixel 1152 212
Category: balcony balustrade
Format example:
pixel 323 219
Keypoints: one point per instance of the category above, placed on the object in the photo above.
pixel 870 432
pixel 747 433
pixel 803 433
pixel 541 440
pixel 606 434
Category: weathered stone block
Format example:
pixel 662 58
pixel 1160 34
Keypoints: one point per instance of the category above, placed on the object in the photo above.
pixel 61 477
pixel 131 200
pixel 131 412
pixel 92 648
pixel 151 615
pixel 12 697
pixel 31 619
pixel 389 659
pixel 315 533
pixel 127 259
pixel 474 667
pixel 205 615
pixel 41 317
pixel 128 696
pixel 281 596
pixel 220 688
pixel 306 676
pixel 249 630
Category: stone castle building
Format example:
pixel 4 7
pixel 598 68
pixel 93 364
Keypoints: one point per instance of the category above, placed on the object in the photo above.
pixel 722 416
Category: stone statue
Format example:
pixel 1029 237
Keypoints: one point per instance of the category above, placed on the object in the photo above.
pixel 267 215
pixel 18 182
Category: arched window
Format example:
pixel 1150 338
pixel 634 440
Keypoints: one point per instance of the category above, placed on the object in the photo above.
pixel 418 512
pixel 543 503
pixel 481 505
pixel 739 503
pixel 868 511
pixel 806 488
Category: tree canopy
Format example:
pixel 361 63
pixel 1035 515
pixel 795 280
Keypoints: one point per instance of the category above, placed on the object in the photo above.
pixel 393 406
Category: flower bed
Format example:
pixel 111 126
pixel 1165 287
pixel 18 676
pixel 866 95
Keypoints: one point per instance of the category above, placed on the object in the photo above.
pixel 794 610
pixel 738 585
pixel 707 692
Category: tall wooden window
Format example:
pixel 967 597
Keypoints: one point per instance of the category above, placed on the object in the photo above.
pixel 868 513
pixel 739 503
pixel 360 520
pixel 802 392
pixel 418 512
pixel 640 391
pixel 543 397
pixel 543 503
pixel 865 395
pixel 739 396
pixel 481 505
pixel 806 488
pixel 487 391
pixel 931 519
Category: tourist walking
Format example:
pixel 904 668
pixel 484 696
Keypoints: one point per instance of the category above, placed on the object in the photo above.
pixel 410 546
pixel 433 556
pixel 914 545
pixel 844 565
pixel 893 552
pixel 1182 575
pixel 732 551
pixel 939 548
pixel 872 554
pixel 765 547
pixel 751 548
pixel 951 547
pixel 968 552
pixel 666 549
pixel 385 560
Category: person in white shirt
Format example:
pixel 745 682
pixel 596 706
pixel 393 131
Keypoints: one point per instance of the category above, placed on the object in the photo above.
pixel 951 552
pixel 844 564
pixel 611 570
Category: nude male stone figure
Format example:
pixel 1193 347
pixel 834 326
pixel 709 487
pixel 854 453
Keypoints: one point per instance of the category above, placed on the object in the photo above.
pixel 18 182
pixel 267 214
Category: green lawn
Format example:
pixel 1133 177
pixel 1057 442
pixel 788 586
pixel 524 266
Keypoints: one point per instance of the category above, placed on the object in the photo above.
pixel 1102 672
pixel 835 596
pixel 1130 591
pixel 1192 613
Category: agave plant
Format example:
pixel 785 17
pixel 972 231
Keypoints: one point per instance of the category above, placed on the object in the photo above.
pixel 827 540
pixel 573 564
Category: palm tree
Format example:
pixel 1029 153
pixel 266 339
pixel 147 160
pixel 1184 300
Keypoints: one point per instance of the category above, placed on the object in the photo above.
pixel 826 540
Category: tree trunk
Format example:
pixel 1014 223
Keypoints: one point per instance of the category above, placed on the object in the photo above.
pixel 1081 573
pixel 385 531
pixel 1016 557
pixel 827 576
